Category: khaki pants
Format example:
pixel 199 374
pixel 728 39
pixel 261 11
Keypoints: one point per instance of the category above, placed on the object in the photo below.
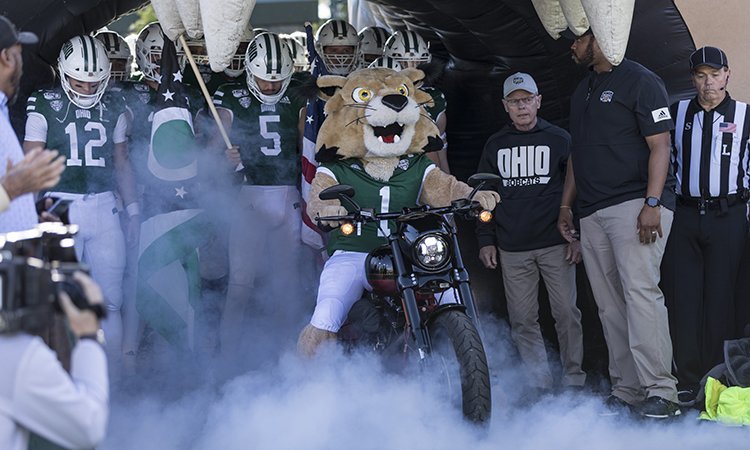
pixel 624 276
pixel 521 279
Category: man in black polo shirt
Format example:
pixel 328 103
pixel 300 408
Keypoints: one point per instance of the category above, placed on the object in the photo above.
pixel 620 124
pixel 531 155
pixel 703 254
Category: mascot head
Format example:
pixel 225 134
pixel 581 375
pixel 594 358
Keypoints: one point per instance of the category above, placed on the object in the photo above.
pixel 375 113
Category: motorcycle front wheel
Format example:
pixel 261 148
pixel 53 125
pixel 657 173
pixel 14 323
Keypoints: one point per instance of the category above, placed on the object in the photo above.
pixel 460 364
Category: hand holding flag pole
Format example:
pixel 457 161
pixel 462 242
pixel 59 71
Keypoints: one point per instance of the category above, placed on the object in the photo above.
pixel 207 95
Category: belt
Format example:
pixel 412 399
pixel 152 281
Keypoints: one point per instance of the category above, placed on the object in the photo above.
pixel 721 203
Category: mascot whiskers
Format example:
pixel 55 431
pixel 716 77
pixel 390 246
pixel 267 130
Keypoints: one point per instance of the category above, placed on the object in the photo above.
pixel 374 138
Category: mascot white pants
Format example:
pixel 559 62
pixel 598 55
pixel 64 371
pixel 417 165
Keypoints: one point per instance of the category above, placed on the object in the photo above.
pixel 342 283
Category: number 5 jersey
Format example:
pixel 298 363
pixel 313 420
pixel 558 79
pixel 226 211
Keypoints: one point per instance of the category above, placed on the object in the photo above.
pixel 266 134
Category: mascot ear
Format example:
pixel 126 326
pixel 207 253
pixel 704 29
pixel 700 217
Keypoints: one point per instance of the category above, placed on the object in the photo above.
pixel 415 75
pixel 328 85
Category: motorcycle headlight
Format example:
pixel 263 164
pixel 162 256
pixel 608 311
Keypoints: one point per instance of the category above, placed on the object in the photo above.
pixel 431 251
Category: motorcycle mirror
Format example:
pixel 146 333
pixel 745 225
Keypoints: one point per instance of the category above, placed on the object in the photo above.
pixel 480 180
pixel 342 192
pixel 335 192
pixel 483 178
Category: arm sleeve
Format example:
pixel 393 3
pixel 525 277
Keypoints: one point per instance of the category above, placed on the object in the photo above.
pixel 486 231
pixel 36 127
pixel 652 107
pixel 68 410
pixel 120 134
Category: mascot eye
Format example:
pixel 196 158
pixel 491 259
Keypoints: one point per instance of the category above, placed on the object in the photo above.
pixel 361 95
pixel 403 90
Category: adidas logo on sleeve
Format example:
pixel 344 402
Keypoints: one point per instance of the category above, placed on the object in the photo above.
pixel 660 114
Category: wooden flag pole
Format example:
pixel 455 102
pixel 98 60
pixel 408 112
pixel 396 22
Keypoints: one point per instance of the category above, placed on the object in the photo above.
pixel 206 94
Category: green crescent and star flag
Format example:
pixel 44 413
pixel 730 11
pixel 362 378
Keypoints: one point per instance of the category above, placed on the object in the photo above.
pixel 168 272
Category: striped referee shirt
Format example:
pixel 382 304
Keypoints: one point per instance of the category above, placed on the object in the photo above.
pixel 710 152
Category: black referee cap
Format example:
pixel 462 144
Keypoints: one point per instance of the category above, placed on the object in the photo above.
pixel 709 56
pixel 9 36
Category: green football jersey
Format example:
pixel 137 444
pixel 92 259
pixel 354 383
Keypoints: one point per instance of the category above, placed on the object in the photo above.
pixel 266 134
pixel 401 191
pixel 140 98
pixel 439 99
pixel 84 136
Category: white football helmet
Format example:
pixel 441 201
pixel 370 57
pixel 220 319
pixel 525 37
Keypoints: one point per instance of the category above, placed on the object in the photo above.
pixel 83 58
pixel 119 54
pixel 148 49
pixel 408 48
pixel 269 59
pixel 385 62
pixel 338 33
pixel 299 54
pixel 237 64
pixel 301 37
pixel 371 43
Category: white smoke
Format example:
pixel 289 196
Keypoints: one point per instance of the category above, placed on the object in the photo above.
pixel 340 401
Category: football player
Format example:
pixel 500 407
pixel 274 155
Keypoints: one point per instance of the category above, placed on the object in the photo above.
pixel 299 54
pixel 119 55
pixel 371 43
pixel 337 44
pixel 89 126
pixel 410 49
pixel 261 115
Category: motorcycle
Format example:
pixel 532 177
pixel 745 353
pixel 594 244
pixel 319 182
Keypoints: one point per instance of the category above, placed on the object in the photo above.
pixel 405 314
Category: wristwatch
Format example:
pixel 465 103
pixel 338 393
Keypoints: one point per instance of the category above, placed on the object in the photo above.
pixel 98 337
pixel 653 202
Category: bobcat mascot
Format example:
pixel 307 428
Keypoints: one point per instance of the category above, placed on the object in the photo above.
pixel 374 139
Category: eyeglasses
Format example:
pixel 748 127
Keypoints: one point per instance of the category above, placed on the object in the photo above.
pixel 515 102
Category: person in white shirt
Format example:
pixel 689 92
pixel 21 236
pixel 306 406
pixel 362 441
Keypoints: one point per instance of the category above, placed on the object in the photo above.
pixel 37 395
pixel 20 176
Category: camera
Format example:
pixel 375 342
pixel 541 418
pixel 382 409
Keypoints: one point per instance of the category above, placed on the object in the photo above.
pixel 36 265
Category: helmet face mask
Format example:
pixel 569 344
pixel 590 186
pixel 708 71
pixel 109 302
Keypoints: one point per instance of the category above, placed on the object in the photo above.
pixel 84 58
pixel 408 48
pixel 337 43
pixel 268 59
pixel 197 48
pixel 237 64
pixel 119 54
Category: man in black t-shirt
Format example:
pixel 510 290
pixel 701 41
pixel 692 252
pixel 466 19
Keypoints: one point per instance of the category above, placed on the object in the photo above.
pixel 619 174
pixel 530 155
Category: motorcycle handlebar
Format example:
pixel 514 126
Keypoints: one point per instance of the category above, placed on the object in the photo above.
pixel 470 209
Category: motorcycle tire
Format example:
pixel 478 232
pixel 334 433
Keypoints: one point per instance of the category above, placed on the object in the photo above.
pixel 457 352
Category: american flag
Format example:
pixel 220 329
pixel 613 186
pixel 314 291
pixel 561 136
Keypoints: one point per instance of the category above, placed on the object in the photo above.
pixel 313 119
pixel 727 127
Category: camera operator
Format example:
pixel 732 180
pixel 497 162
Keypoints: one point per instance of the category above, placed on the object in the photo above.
pixel 37 395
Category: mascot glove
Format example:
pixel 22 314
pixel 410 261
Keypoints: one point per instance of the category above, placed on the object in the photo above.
pixel 337 210
pixel 488 199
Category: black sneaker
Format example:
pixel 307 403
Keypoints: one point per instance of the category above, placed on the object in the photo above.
pixel 659 408
pixel 615 406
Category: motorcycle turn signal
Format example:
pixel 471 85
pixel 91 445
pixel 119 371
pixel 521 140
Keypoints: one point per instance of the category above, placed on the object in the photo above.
pixel 485 216
pixel 347 228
